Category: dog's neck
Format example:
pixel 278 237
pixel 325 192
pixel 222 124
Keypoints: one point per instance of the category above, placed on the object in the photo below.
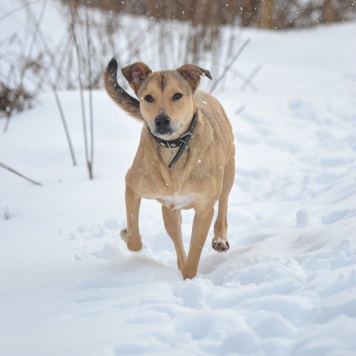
pixel 181 142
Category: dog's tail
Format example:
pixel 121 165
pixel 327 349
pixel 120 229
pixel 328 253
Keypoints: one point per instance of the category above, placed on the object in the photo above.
pixel 119 95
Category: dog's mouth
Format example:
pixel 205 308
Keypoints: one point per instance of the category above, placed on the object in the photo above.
pixel 165 130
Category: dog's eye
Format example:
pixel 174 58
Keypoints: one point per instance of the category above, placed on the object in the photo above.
pixel 177 96
pixel 149 98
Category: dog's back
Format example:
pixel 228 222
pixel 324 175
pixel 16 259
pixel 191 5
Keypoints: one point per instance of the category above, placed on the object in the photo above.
pixel 213 111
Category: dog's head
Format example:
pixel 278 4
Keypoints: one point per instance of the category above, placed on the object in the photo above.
pixel 166 97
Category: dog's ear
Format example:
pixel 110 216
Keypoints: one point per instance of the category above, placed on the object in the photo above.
pixel 192 74
pixel 135 74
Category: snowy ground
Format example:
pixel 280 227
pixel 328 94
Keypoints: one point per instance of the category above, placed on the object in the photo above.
pixel 287 286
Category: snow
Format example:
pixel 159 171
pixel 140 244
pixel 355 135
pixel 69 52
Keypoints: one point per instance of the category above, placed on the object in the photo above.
pixel 287 286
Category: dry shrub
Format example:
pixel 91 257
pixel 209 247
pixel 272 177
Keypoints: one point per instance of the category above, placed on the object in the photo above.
pixel 13 100
pixel 277 14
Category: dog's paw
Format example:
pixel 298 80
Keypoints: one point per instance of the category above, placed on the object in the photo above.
pixel 188 272
pixel 133 243
pixel 219 244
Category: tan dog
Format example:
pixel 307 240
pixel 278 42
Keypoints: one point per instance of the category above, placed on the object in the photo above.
pixel 185 159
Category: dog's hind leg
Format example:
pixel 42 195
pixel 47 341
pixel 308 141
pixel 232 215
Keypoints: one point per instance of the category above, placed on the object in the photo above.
pixel 131 235
pixel 172 222
pixel 220 242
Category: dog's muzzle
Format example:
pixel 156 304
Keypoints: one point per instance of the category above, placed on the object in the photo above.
pixel 163 125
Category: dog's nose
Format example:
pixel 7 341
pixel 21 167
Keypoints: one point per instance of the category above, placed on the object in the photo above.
pixel 162 122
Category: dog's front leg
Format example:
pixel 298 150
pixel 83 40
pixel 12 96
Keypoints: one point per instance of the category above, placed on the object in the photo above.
pixel 172 222
pixel 201 225
pixel 131 235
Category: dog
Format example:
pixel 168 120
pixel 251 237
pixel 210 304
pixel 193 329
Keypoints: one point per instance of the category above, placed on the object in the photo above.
pixel 185 159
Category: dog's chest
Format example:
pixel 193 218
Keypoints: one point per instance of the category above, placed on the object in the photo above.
pixel 176 201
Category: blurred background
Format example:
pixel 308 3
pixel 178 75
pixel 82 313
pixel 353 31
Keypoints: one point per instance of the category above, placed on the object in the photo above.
pixel 271 14
pixel 57 45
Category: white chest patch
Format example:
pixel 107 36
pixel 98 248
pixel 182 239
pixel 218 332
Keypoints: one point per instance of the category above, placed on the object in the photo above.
pixel 176 201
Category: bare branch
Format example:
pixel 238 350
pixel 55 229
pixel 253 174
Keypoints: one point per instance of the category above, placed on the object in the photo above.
pixel 229 65
pixel 64 122
pixel 248 80
pixel 19 174
pixel 73 15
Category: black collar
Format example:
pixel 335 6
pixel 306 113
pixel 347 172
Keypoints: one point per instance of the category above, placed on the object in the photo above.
pixel 181 142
